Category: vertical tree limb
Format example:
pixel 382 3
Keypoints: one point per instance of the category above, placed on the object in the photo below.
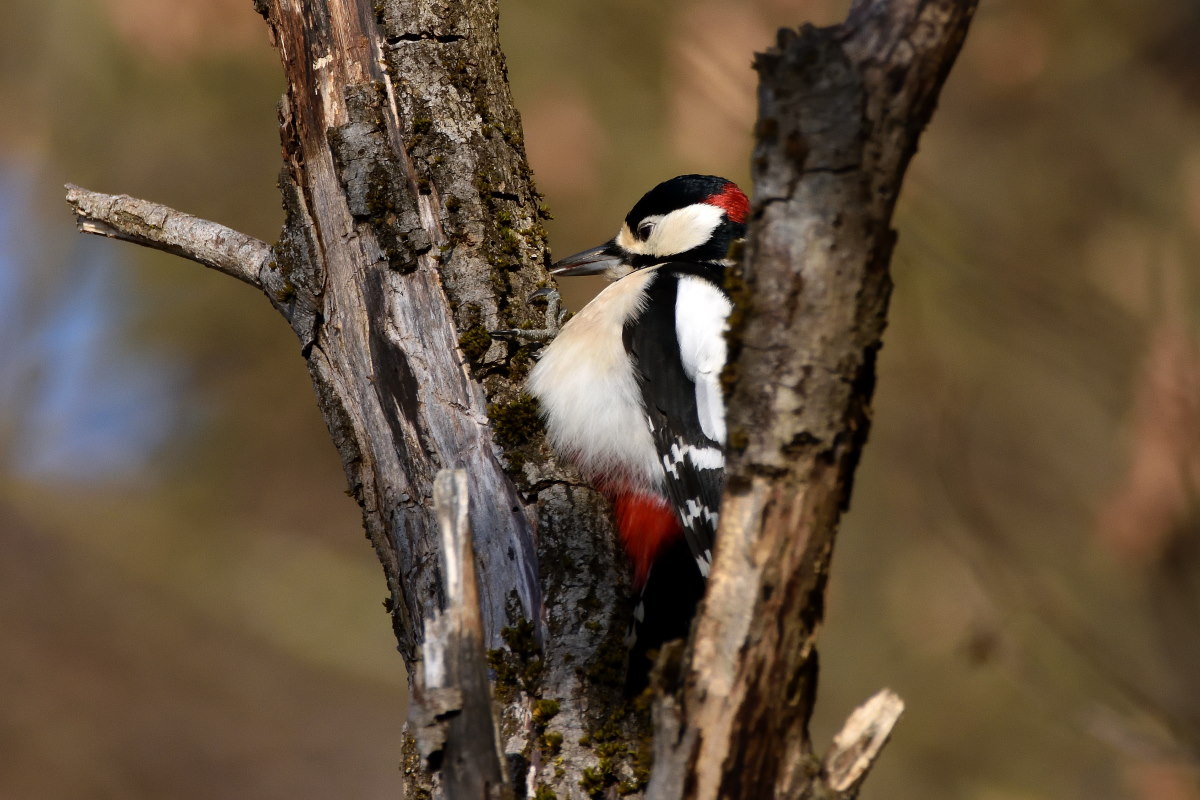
pixel 413 229
pixel 840 112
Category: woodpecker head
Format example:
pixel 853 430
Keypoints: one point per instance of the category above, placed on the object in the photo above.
pixel 689 218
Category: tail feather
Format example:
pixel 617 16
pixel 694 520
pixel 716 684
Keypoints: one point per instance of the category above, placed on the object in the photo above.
pixel 667 604
pixel 664 572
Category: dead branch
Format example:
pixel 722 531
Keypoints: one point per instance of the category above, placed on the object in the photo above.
pixel 859 742
pixel 129 219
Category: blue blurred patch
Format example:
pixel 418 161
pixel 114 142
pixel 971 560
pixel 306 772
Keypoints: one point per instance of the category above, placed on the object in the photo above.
pixel 78 399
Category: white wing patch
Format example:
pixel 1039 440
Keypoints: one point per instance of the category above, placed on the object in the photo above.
pixel 701 317
pixel 699 457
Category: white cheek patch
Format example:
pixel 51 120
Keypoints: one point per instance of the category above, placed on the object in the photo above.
pixel 626 240
pixel 684 229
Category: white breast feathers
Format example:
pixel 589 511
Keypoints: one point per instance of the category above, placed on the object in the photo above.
pixel 589 394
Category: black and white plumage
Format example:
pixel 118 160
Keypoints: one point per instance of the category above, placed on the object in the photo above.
pixel 677 346
pixel 630 387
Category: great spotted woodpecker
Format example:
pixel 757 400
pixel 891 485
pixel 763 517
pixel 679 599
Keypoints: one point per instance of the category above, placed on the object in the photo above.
pixel 630 388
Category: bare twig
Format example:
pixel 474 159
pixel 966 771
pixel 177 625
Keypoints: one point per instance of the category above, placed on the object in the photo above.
pixel 130 219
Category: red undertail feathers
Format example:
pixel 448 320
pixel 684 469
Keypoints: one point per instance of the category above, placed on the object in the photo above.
pixel 647 524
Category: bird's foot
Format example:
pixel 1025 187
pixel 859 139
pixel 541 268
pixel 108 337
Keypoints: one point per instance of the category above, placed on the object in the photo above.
pixel 555 316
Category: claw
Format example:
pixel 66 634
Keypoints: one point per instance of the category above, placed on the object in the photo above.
pixel 554 320
pixel 525 334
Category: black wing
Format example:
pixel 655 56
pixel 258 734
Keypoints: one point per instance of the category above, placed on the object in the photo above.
pixel 692 460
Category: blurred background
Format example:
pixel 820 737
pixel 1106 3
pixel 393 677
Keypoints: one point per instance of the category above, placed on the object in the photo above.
pixel 188 605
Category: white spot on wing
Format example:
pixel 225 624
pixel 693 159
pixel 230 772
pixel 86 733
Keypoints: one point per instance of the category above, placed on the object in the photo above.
pixel 671 465
pixel 705 457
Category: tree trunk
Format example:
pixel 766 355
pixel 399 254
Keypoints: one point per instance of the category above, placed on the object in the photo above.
pixel 840 112
pixel 412 230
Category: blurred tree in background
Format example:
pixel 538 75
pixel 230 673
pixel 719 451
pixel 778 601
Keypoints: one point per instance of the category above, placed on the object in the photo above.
pixel 1022 560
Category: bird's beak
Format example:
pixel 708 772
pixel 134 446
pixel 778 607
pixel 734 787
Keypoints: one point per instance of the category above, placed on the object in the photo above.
pixel 589 262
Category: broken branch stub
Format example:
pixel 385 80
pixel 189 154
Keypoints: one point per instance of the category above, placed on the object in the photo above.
pixel 856 746
pixel 451 713
pixel 130 219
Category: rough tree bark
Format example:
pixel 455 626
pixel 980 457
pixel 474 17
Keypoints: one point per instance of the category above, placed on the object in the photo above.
pixel 840 113
pixel 412 229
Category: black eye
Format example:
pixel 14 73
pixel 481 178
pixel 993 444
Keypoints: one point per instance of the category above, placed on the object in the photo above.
pixel 644 230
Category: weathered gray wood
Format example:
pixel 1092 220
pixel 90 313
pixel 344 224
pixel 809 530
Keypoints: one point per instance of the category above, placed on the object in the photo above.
pixel 450 713
pixel 154 225
pixel 858 743
pixel 840 112
pixel 414 228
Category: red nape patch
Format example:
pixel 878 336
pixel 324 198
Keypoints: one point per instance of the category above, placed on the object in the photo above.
pixel 735 203
pixel 647 525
